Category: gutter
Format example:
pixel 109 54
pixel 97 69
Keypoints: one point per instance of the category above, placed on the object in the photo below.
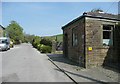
pixel 70 23
pixel 63 71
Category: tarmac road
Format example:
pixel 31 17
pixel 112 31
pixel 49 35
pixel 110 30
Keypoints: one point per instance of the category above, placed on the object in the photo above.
pixel 23 63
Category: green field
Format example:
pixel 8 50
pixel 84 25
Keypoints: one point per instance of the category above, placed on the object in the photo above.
pixel 58 38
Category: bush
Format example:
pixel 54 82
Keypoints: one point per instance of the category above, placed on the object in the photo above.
pixel 46 42
pixel 39 47
pixel 16 42
pixel 35 44
pixel 36 41
pixel 43 45
pixel 45 49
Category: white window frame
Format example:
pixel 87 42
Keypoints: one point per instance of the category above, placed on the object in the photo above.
pixel 108 42
pixel 74 37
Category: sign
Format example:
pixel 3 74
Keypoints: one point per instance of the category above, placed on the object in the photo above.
pixel 90 48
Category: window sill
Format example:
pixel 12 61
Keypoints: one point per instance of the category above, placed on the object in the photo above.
pixel 106 47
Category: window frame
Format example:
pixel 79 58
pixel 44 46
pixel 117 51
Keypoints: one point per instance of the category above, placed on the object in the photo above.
pixel 111 36
pixel 74 37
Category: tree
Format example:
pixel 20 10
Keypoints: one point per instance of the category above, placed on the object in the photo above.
pixel 28 38
pixel 15 32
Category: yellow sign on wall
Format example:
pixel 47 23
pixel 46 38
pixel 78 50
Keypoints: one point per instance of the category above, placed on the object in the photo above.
pixel 90 48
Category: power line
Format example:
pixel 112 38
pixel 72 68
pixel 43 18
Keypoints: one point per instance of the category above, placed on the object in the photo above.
pixel 111 6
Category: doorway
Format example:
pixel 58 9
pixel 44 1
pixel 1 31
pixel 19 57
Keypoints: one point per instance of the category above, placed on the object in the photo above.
pixel 66 45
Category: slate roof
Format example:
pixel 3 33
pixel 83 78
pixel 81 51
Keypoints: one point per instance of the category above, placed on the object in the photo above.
pixel 95 15
pixel 105 15
pixel 2 27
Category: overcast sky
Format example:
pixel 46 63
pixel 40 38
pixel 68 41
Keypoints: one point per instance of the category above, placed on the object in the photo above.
pixel 47 18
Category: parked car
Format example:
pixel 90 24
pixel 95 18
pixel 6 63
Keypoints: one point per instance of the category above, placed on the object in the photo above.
pixel 4 43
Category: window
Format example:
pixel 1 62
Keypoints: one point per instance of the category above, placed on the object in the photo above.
pixel 107 35
pixel 74 37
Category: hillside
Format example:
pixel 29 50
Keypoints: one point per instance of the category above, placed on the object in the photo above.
pixel 58 37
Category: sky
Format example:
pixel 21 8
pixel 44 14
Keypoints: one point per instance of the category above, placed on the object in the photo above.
pixel 47 18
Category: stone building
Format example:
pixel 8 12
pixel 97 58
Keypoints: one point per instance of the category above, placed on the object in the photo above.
pixel 1 30
pixel 92 39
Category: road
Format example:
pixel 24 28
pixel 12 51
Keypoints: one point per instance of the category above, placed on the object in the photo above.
pixel 23 63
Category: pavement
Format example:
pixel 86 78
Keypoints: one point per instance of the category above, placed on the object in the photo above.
pixel 79 74
pixel 23 63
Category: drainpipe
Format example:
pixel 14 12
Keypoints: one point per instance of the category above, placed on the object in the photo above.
pixel 85 55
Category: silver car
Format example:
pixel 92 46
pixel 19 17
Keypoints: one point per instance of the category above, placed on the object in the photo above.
pixel 4 43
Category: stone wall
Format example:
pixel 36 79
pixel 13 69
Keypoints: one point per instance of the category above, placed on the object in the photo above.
pixel 75 53
pixel 113 59
pixel 90 35
pixel 99 54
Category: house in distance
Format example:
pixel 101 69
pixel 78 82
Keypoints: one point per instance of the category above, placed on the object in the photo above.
pixel 1 30
pixel 92 39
